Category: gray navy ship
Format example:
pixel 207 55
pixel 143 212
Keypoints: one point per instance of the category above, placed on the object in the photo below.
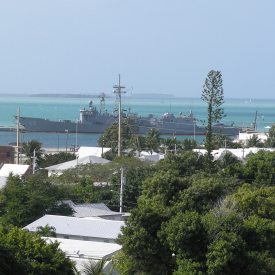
pixel 92 120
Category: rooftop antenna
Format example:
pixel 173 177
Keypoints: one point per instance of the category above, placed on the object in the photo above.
pixel 118 91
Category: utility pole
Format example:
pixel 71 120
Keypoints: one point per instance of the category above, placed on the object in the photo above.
pixel 67 132
pixel 122 182
pixel 33 162
pixel 76 141
pixel 17 136
pixel 194 132
pixel 118 90
pixel 102 146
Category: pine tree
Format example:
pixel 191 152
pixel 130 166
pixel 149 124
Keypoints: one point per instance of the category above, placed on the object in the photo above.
pixel 212 94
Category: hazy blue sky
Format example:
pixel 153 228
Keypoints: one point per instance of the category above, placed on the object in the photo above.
pixel 158 46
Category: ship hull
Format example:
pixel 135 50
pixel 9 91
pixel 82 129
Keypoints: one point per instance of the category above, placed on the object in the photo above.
pixel 48 126
pixel 31 124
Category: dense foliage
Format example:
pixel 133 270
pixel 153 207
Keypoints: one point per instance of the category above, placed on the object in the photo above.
pixel 133 144
pixel 78 184
pixel 53 159
pixel 190 222
pixel 23 201
pixel 184 220
pixel 23 253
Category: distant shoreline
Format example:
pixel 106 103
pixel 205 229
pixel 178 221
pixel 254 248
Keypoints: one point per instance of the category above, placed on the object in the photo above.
pixel 77 95
pixel 134 96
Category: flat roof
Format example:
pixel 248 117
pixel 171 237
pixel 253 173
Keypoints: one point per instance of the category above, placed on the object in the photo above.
pixel 75 162
pixel 86 249
pixel 15 169
pixel 92 227
pixel 84 151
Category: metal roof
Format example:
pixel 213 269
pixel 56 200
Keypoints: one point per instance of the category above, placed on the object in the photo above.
pixel 92 227
pixel 86 249
pixel 15 169
pixel 73 163
pixel 91 210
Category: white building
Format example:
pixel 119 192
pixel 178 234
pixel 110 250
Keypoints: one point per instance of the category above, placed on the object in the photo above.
pixel 81 252
pixel 244 137
pixel 85 151
pixel 86 229
pixel 58 169
pixel 154 157
pixel 12 169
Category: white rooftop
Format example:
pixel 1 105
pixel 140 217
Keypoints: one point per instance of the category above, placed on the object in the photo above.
pixel 154 157
pixel 92 227
pixel 73 163
pixel 85 151
pixel 246 136
pixel 239 152
pixel 86 249
pixel 14 169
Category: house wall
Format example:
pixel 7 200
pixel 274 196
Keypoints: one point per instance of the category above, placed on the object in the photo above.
pixel 112 217
pixel 7 154
pixel 85 238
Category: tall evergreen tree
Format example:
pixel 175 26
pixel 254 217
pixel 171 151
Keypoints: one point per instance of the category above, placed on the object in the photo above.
pixel 212 94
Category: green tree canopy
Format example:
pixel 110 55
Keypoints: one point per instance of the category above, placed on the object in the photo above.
pixel 260 168
pixel 23 201
pixel 53 159
pixel 29 254
pixel 153 140
pixel 270 142
pixel 200 224
pixel 185 164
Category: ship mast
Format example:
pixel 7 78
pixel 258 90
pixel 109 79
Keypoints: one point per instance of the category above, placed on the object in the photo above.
pixel 118 90
pixel 102 102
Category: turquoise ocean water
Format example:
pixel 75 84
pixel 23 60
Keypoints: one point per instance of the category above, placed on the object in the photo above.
pixel 241 112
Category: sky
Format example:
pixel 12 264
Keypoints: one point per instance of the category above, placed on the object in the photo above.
pixel 158 46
